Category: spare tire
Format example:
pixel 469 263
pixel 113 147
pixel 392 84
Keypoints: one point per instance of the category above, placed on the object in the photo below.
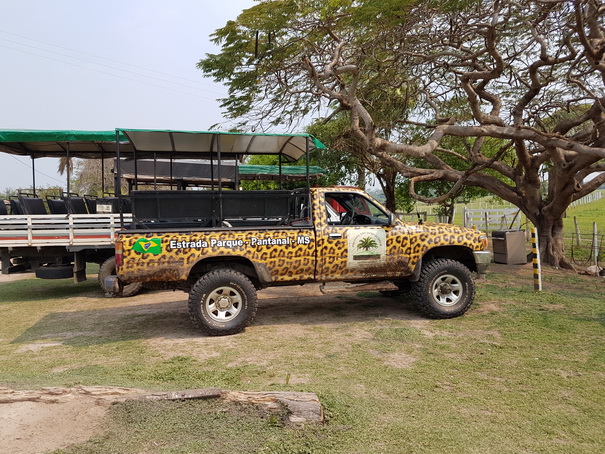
pixel 55 272
pixel 108 268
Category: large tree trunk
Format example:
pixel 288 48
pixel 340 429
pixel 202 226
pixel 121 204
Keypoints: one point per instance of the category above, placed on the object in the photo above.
pixel 390 201
pixel 388 183
pixel 360 180
pixel 551 241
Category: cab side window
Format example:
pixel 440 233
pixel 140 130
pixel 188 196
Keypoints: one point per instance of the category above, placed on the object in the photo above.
pixel 353 209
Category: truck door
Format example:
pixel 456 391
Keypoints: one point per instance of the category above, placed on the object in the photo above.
pixel 353 240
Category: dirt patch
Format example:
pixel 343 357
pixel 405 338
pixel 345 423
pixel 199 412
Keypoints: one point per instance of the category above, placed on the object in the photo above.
pixel 37 346
pixel 38 421
pixel 16 276
pixel 488 306
pixel 400 360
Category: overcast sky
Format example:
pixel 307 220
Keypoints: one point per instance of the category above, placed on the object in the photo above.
pixel 91 65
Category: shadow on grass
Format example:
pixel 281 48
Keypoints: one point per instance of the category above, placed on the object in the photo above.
pixel 35 289
pixel 171 319
pixel 112 324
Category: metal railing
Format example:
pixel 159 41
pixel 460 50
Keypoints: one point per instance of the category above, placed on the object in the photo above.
pixel 60 229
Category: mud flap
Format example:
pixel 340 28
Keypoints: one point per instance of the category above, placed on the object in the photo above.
pixel 79 266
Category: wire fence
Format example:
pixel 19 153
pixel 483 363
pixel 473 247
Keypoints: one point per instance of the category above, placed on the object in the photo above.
pixel 585 253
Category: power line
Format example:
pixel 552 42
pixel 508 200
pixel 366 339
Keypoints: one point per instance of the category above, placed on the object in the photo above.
pixel 102 58
pixel 31 167
pixel 107 73
pixel 100 64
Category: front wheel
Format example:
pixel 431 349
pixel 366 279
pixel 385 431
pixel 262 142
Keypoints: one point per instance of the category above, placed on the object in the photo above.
pixel 445 289
pixel 222 302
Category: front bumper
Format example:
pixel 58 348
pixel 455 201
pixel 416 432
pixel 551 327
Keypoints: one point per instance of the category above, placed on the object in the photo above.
pixel 482 261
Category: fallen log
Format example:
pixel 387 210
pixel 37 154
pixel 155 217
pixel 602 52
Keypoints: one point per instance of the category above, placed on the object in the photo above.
pixel 301 407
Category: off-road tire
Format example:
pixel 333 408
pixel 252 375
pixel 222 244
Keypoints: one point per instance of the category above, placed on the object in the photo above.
pixel 445 289
pixel 222 302
pixel 108 268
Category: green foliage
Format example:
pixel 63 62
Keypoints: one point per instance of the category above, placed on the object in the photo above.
pixel 348 163
pixel 340 159
pixel 268 38
pixel 405 203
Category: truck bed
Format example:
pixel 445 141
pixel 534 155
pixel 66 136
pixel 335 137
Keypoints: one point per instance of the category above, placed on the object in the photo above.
pixel 59 230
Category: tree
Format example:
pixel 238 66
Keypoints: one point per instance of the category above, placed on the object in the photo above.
pixel 521 82
pixel 65 165
pixel 90 174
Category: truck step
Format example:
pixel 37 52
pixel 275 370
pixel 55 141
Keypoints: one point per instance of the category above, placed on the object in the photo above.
pixel 341 287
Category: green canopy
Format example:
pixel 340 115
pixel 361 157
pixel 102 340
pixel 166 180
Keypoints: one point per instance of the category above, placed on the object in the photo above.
pixel 266 172
pixel 34 135
pixel 147 143
pixel 55 144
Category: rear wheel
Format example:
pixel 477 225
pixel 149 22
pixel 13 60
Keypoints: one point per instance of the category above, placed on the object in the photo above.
pixel 222 302
pixel 108 268
pixel 445 289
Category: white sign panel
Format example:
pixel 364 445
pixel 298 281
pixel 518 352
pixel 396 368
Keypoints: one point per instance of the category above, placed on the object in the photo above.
pixel 366 247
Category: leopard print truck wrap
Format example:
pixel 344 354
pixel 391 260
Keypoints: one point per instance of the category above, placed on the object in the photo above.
pixel 320 252
pixel 287 254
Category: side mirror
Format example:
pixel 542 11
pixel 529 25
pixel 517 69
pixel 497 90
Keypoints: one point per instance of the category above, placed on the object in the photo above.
pixel 392 218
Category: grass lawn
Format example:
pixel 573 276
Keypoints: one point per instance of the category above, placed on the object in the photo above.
pixel 520 372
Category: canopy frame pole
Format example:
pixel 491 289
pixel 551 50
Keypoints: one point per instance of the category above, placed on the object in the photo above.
pixel 155 171
pixel 118 188
pixel 136 170
pixel 158 206
pixel 308 161
pixel 212 164
pixel 33 174
pixel 220 181
pixel 68 177
pixel 102 174
pixel 281 183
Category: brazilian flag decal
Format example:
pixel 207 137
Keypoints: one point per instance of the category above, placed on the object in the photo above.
pixel 148 245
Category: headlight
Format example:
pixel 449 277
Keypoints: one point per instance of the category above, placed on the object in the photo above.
pixel 483 239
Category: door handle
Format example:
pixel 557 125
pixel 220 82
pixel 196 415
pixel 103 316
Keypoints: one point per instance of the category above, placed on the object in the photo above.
pixel 334 236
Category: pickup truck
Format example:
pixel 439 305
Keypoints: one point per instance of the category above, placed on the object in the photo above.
pixel 271 238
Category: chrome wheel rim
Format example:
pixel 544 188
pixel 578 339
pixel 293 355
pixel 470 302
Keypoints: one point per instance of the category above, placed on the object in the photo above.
pixel 447 290
pixel 224 304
